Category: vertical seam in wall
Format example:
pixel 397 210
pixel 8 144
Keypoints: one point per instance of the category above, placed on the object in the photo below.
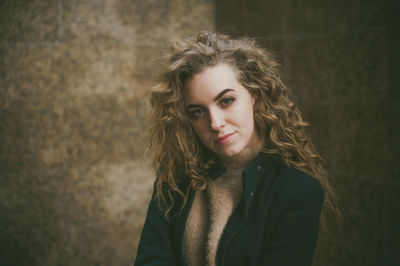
pixel 386 66
pixel 214 23
pixel 60 32
pixel 285 59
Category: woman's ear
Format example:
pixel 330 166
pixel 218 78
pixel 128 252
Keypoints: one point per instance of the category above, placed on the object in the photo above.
pixel 254 98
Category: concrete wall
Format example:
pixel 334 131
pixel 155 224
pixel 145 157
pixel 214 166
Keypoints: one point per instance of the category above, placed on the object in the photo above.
pixel 74 182
pixel 342 61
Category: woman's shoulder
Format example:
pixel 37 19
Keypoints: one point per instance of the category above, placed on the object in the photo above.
pixel 294 183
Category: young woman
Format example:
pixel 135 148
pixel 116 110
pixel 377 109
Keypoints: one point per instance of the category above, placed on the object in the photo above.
pixel 238 179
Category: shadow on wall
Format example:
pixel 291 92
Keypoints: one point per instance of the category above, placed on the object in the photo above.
pixel 341 59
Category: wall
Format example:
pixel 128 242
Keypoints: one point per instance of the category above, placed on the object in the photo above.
pixel 74 180
pixel 341 59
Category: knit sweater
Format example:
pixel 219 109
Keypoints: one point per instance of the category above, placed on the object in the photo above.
pixel 212 208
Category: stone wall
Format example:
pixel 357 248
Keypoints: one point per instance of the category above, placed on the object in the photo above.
pixel 74 179
pixel 342 61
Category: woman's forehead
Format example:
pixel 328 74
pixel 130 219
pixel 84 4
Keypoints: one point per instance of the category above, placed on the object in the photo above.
pixel 209 83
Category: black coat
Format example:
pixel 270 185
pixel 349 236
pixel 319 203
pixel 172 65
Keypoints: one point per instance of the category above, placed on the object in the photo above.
pixel 275 223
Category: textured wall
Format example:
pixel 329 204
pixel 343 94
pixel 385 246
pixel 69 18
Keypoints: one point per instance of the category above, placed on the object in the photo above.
pixel 74 183
pixel 342 60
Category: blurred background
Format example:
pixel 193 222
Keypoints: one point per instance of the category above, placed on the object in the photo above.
pixel 74 179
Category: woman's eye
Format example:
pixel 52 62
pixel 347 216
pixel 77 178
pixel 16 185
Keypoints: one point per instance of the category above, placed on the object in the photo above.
pixel 197 113
pixel 227 101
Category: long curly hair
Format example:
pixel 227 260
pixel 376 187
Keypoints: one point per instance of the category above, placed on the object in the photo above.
pixel 179 155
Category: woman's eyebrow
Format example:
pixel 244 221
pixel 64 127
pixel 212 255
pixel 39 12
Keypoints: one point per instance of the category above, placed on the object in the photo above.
pixel 222 93
pixel 190 106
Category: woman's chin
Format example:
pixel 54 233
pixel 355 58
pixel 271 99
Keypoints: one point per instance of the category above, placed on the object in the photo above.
pixel 228 152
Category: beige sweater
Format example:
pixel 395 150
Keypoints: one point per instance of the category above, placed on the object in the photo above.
pixel 211 210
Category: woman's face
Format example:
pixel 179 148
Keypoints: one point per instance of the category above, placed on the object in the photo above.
pixel 221 110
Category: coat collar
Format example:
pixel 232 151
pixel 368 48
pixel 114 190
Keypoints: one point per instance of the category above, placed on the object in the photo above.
pixel 261 167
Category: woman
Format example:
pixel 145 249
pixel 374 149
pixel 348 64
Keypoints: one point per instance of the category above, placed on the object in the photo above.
pixel 238 179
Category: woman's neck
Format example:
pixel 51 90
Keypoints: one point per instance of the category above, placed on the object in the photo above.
pixel 241 159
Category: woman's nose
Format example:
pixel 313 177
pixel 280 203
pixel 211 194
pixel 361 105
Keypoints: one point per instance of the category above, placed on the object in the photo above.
pixel 217 119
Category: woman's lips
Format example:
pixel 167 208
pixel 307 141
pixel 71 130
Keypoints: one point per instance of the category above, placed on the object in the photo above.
pixel 224 139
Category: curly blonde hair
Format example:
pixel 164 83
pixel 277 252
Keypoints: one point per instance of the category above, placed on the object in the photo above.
pixel 179 155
